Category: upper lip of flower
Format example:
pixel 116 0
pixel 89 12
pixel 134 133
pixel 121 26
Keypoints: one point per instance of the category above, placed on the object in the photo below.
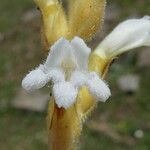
pixel 75 54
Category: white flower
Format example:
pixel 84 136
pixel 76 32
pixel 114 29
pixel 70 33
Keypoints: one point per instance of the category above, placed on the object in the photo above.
pixel 67 67
pixel 127 35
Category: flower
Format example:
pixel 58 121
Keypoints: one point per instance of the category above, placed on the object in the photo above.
pixel 127 35
pixel 67 67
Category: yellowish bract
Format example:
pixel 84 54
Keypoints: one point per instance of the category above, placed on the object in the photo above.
pixel 85 17
pixel 54 21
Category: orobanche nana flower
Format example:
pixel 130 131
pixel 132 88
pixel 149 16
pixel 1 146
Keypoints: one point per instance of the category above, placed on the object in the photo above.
pixel 67 67
pixel 127 35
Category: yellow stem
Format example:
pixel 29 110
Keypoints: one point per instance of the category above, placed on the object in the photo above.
pixel 64 127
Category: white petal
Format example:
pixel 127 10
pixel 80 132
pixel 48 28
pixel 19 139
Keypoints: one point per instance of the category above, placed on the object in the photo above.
pixel 65 94
pixel 78 79
pixel 127 35
pixel 56 75
pixel 36 79
pixel 60 51
pixel 98 87
pixel 81 52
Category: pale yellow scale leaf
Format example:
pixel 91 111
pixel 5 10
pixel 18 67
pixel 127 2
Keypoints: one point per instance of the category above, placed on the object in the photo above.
pixel 85 17
pixel 54 21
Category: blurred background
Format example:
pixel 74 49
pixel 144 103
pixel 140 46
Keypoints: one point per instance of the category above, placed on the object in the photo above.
pixel 122 123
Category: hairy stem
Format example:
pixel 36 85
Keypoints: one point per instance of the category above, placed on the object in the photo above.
pixel 64 127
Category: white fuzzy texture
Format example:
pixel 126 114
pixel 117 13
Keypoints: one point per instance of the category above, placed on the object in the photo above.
pixel 65 55
pixel 78 79
pixel 60 51
pixel 127 35
pixel 56 75
pixel 82 52
pixel 98 87
pixel 65 94
pixel 34 80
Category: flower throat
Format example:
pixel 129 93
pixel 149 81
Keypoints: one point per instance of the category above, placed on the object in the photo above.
pixel 68 67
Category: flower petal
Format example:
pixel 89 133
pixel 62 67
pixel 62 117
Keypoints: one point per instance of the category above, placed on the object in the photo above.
pixel 98 87
pixel 81 52
pixel 36 79
pixel 60 51
pixel 127 35
pixel 78 79
pixel 65 94
pixel 56 75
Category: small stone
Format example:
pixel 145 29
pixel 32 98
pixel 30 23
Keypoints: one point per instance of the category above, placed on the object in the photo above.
pixel 128 83
pixel 35 101
pixel 138 134
pixel 144 58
